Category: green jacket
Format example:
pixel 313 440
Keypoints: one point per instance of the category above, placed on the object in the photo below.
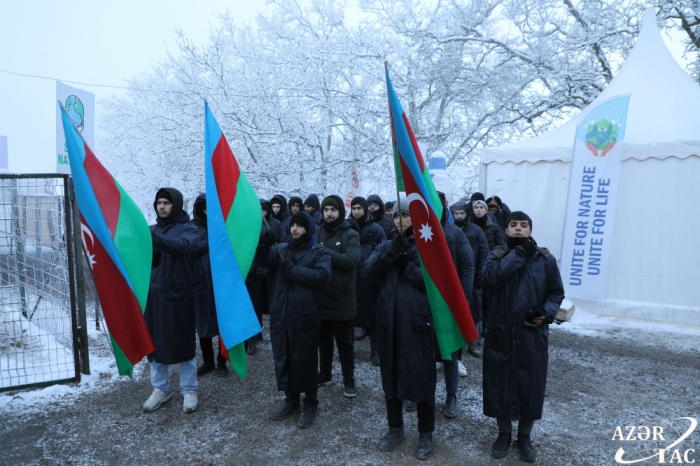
pixel 339 301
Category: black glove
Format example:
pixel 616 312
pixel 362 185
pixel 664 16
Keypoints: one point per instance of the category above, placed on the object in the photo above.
pixel 268 238
pixel 529 247
pixel 284 263
pixel 532 315
pixel 403 261
pixel 400 243
pixel 366 237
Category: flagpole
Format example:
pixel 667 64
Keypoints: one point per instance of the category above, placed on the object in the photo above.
pixel 393 138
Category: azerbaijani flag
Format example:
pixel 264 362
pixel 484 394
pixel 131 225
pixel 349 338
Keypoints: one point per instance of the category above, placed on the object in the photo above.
pixel 119 247
pixel 453 320
pixel 233 220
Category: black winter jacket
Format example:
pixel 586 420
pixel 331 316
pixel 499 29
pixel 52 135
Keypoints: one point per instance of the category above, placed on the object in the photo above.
pixel 367 294
pixel 170 316
pixel 382 220
pixel 515 355
pixel 494 234
pixel 343 244
pixel 202 285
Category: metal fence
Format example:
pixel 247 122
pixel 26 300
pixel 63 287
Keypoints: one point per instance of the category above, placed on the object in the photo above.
pixel 40 332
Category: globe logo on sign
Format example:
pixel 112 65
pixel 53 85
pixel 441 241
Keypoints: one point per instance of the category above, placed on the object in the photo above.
pixel 76 111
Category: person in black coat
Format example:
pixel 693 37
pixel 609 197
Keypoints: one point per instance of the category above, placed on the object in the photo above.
pixel 203 293
pixel 303 271
pixel 294 205
pixel 170 315
pixel 389 209
pixel 371 235
pixel 376 206
pixel 407 342
pixel 494 234
pixel 339 306
pixel 527 292
pixel 480 248
pixel 500 210
pixel 280 211
pixel 312 206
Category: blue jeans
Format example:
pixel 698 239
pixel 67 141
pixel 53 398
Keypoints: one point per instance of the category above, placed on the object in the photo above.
pixel 451 376
pixel 188 376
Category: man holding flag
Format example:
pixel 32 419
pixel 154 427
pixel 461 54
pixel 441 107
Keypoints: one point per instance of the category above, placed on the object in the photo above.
pixel 170 313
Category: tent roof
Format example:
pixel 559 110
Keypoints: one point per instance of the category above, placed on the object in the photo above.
pixel 664 111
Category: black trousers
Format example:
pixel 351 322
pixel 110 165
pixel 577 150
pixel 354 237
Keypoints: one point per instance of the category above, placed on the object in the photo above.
pixel 310 398
pixel 208 351
pixel 426 414
pixel 343 331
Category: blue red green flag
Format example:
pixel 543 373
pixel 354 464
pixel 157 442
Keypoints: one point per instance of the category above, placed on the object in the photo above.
pixel 453 321
pixel 234 220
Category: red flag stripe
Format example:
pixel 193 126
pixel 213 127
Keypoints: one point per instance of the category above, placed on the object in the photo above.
pixel 226 175
pixel 414 143
pixel 106 191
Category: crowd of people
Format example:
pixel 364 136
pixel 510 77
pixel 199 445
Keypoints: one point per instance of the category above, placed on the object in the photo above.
pixel 323 274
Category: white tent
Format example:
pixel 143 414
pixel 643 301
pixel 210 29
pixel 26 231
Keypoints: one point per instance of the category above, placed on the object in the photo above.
pixel 654 270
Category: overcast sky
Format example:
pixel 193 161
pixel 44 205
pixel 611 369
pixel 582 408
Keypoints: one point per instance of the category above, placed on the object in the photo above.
pixel 100 42
pixel 96 42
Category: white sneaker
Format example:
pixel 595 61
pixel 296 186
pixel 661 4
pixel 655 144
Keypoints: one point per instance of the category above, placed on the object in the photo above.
pixel 438 366
pixel 461 368
pixel 190 403
pixel 157 398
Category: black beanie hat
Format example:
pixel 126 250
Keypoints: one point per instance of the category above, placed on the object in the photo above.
pixel 312 201
pixel 336 202
pixel 477 197
pixel 301 218
pixel 361 201
pixel 389 205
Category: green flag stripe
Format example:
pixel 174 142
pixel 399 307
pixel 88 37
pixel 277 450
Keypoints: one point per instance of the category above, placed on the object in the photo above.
pixel 133 241
pixel 399 175
pixel 238 360
pixel 243 224
pixel 123 365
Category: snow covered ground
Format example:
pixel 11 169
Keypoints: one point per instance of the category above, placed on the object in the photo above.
pixel 603 373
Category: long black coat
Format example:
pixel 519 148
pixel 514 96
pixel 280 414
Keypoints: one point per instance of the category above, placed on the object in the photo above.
pixel 202 285
pixel 170 315
pixel 407 343
pixel 343 244
pixel 480 248
pixel 366 293
pixel 295 312
pixel 515 355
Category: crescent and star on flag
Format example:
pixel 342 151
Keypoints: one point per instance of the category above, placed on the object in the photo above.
pixel 91 257
pixel 426 231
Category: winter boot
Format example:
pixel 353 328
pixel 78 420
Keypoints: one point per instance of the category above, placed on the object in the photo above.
pixel 451 406
pixel 501 445
pixel 374 347
pixel 205 368
pixel 374 357
pixel 527 451
pixel 307 417
pixel 391 439
pixel 349 389
pixel 207 356
pixel 252 347
pixel 424 449
pixel 283 411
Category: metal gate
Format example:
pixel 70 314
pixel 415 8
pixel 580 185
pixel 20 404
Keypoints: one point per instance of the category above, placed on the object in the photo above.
pixel 43 337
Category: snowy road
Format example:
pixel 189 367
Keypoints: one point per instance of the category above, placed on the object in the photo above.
pixel 603 373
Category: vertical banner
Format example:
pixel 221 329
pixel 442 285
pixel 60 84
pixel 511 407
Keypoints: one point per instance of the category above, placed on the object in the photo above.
pixel 353 189
pixel 4 159
pixel 590 208
pixel 80 106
